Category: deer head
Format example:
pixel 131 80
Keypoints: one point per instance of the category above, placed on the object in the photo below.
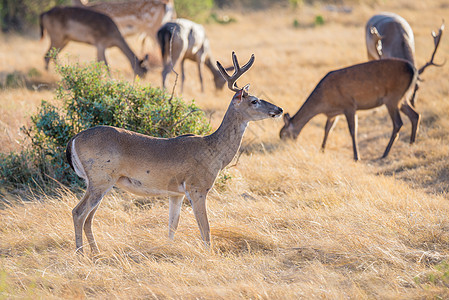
pixel 288 131
pixel 248 106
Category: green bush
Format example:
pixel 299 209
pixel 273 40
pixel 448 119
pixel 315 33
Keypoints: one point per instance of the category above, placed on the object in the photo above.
pixel 197 10
pixel 20 14
pixel 89 97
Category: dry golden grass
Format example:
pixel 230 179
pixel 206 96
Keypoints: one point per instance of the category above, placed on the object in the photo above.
pixel 291 222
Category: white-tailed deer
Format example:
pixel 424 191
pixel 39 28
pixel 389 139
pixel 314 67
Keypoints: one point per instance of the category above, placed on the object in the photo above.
pixel 183 39
pixel 359 87
pixel 65 24
pixel 183 166
pixel 143 17
pixel 388 35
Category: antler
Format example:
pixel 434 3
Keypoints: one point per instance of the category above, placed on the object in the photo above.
pixel 232 85
pixel 436 41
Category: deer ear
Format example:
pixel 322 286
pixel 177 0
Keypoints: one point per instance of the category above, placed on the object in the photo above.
pixel 237 99
pixel 246 88
pixel 287 119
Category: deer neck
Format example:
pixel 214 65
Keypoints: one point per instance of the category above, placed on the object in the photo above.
pixel 308 110
pixel 225 141
pixel 212 67
pixel 133 60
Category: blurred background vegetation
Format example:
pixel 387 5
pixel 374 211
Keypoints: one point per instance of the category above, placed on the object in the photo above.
pixel 23 15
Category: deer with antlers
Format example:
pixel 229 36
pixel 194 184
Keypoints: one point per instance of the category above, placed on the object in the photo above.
pixel 185 166
pixel 388 35
pixel 364 86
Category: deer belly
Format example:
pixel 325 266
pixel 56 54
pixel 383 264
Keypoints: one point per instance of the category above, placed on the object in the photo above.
pixel 138 187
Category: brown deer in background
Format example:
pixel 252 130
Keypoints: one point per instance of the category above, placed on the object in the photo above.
pixel 388 35
pixel 364 86
pixel 183 166
pixel 183 39
pixel 143 17
pixel 65 24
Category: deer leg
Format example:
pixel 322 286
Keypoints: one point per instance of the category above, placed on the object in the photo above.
pixel 58 45
pixel 200 73
pixel 88 230
pixel 101 55
pixel 351 117
pixel 397 124
pixel 80 213
pixel 175 204
pixel 414 117
pixel 330 123
pixel 167 69
pixel 183 77
pixel 198 201
pixel 414 95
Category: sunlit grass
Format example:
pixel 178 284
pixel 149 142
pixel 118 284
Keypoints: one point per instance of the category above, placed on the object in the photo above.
pixel 289 221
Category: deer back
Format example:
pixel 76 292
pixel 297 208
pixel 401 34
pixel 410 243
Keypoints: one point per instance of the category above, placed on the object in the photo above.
pixel 163 163
pixel 367 85
pixel 79 24
pixel 134 17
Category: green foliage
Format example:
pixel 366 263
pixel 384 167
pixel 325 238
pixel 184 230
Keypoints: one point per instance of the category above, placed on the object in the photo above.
pixel 197 10
pixel 224 19
pixel 319 20
pixel 90 97
pixel 296 3
pixel 296 23
pixel 18 14
pixel 15 79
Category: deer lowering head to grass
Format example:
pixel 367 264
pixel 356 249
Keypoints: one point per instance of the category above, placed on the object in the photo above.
pixel 390 36
pixel 183 39
pixel 65 24
pixel 364 86
pixel 183 166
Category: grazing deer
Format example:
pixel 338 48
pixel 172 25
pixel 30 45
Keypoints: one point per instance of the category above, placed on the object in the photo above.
pixel 64 24
pixel 183 166
pixel 183 39
pixel 142 17
pixel 359 87
pixel 390 36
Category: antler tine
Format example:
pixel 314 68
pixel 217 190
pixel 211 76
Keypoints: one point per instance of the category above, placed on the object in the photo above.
pixel 223 71
pixel 236 64
pixel 436 41
pixel 237 71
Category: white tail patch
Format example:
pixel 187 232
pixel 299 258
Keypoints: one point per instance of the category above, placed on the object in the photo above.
pixel 77 163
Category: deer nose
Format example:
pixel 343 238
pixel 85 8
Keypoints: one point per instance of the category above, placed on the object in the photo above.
pixel 277 113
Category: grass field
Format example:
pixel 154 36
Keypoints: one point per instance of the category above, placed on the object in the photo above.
pixel 291 222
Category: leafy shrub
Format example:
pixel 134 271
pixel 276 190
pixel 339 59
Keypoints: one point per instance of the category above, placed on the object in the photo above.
pixel 197 10
pixel 20 14
pixel 319 20
pixel 90 97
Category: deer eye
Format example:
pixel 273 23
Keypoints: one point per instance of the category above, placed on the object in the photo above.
pixel 254 102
